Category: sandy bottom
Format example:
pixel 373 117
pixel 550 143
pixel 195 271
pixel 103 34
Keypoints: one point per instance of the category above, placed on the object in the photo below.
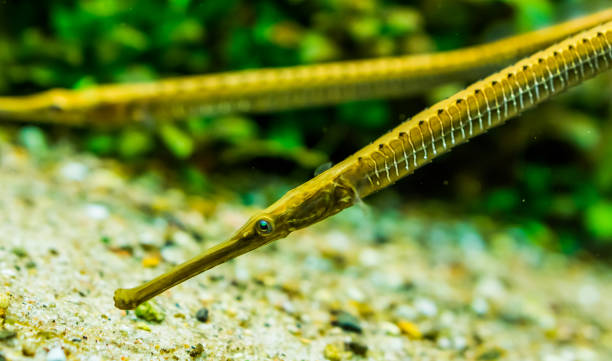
pixel 383 285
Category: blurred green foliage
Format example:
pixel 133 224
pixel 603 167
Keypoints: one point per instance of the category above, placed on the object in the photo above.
pixel 550 172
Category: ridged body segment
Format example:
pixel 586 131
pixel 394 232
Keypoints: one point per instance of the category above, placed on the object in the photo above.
pixel 480 107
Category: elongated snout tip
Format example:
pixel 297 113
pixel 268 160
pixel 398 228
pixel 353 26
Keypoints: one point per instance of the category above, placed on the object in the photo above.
pixel 125 300
pixel 128 299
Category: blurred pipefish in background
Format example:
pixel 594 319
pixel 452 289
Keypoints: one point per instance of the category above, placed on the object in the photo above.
pixel 277 89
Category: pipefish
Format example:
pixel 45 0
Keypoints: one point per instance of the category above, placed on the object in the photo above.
pixel 483 105
pixel 266 90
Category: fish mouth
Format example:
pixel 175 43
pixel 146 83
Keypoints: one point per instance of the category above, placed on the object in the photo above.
pixel 128 299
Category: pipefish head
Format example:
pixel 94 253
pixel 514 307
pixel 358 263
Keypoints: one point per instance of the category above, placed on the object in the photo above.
pixel 63 106
pixel 52 106
pixel 309 203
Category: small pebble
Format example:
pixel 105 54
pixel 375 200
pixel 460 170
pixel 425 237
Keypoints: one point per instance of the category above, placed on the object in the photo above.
pixel 4 304
pixel 8 272
pixel 151 261
pixel 364 309
pixel 196 350
pixel 181 238
pixel 56 354
pixel 491 354
pixel 242 274
pixel 28 348
pixel 406 312
pixel 444 343
pixel 356 348
pixel 426 307
pixel 491 288
pixel 432 334
pixel 150 312
pixel 19 252
pixel 410 329
pixel 588 295
pixel 96 211
pixel 7 335
pixel 294 330
pixel 288 307
pixel 459 343
pixel 202 314
pixel 143 326
pixel 149 240
pixel 292 288
pixel 390 328
pixel 355 294
pixel 172 254
pixel 332 353
pixel 480 306
pixel 347 322
pixel 339 242
pixel 74 171
pixel 369 257
pixel 4 301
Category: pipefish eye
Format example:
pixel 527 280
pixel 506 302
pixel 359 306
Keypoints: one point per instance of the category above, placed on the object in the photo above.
pixel 55 108
pixel 264 226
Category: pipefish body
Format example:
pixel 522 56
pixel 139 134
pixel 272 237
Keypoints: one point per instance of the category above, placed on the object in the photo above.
pixel 266 90
pixel 485 104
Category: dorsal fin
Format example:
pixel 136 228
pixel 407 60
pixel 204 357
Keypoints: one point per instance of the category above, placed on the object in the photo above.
pixel 322 168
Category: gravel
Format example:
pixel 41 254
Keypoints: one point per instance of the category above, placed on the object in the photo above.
pixel 202 315
pixel 85 228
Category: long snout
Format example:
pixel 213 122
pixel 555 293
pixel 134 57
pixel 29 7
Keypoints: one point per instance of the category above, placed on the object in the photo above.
pixel 127 299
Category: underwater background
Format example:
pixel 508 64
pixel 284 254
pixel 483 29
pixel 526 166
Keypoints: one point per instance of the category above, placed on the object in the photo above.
pixel 547 173
pixel 537 190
